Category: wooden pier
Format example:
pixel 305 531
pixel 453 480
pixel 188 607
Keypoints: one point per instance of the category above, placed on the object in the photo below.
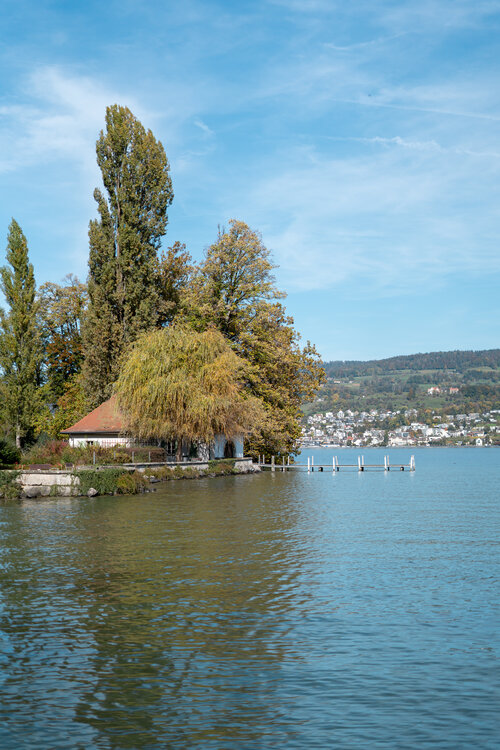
pixel 334 466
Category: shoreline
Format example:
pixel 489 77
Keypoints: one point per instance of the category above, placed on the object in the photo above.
pixel 92 481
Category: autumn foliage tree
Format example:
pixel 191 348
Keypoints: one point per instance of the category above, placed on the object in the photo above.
pixel 183 385
pixel 234 289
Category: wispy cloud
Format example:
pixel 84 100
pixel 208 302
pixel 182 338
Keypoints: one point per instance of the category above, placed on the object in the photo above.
pixel 204 127
pixel 60 118
pixel 384 222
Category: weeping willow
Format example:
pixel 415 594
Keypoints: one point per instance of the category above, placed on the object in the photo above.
pixel 178 384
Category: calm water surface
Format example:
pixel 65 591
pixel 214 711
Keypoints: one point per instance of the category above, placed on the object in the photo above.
pixel 272 611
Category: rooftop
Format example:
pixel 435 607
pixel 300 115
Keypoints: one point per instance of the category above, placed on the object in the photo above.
pixel 105 419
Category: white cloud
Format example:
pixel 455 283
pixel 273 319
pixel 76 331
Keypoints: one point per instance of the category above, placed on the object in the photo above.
pixel 61 118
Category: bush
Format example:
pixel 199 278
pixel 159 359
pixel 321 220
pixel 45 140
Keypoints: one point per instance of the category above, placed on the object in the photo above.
pixel 9 486
pixel 9 454
pixel 45 452
pixel 222 466
pixel 131 483
pixel 105 481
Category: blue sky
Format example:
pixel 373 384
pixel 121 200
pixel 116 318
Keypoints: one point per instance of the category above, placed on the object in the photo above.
pixel 362 140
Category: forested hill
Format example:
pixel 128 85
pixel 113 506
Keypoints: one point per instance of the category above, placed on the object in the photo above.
pixel 448 382
pixel 459 361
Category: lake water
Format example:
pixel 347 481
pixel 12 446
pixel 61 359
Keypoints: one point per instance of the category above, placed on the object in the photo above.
pixel 279 610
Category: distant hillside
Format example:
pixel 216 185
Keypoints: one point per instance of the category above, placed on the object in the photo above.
pixel 460 361
pixel 456 381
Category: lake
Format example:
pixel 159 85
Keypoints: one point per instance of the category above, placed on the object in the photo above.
pixel 286 610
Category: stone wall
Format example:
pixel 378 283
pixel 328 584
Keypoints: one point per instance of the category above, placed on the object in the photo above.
pixel 64 483
pixel 49 482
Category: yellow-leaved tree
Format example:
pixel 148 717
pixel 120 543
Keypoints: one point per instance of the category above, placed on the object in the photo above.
pixel 180 384
pixel 234 289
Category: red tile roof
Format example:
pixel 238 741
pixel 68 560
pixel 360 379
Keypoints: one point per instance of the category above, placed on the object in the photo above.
pixel 106 419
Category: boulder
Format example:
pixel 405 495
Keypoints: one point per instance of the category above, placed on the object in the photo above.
pixel 92 492
pixel 32 491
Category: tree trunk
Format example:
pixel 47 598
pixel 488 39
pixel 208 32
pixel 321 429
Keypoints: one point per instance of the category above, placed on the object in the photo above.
pixel 18 437
pixel 178 455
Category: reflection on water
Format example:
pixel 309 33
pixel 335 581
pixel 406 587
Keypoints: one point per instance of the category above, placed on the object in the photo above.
pixel 279 610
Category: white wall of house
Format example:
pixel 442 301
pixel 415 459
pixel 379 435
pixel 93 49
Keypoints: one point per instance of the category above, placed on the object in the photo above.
pixel 216 450
pixel 219 445
pixel 106 441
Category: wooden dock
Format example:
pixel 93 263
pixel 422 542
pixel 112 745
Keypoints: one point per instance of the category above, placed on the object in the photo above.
pixel 334 466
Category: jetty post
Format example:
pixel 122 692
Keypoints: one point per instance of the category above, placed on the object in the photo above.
pixel 312 463
pixel 283 463
pixel 308 464
pixel 272 463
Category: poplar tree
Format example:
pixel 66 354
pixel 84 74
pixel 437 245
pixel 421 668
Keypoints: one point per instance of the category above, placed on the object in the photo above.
pixel 124 242
pixel 20 344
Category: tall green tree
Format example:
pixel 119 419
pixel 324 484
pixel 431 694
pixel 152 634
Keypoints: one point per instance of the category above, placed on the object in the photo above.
pixel 62 307
pixel 234 289
pixel 183 385
pixel 20 340
pixel 174 278
pixel 124 297
pixel 235 276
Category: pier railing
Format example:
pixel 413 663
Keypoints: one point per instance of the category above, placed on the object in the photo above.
pixel 334 466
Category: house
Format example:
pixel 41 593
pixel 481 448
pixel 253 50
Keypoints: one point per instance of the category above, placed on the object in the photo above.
pixel 105 427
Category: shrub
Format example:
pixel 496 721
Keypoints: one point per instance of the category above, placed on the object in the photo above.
pixel 9 454
pixel 45 452
pixel 131 483
pixel 222 466
pixel 102 480
pixel 9 486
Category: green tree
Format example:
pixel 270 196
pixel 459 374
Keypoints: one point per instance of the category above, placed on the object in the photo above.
pixel 123 287
pixel 234 289
pixel 20 343
pixel 71 406
pixel 62 311
pixel 174 276
pixel 179 384
pixel 234 277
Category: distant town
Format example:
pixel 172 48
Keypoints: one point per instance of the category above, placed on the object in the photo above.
pixel 438 398
pixel 399 428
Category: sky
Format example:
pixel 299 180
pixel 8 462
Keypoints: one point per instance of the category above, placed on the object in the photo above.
pixel 362 140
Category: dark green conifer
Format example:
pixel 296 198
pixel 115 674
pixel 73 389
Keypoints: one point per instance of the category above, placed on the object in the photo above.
pixel 20 342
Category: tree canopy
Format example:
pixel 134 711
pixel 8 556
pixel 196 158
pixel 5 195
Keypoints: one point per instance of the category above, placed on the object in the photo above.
pixel 124 240
pixel 185 385
pixel 234 289
pixel 20 341
pixel 194 349
pixel 62 308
